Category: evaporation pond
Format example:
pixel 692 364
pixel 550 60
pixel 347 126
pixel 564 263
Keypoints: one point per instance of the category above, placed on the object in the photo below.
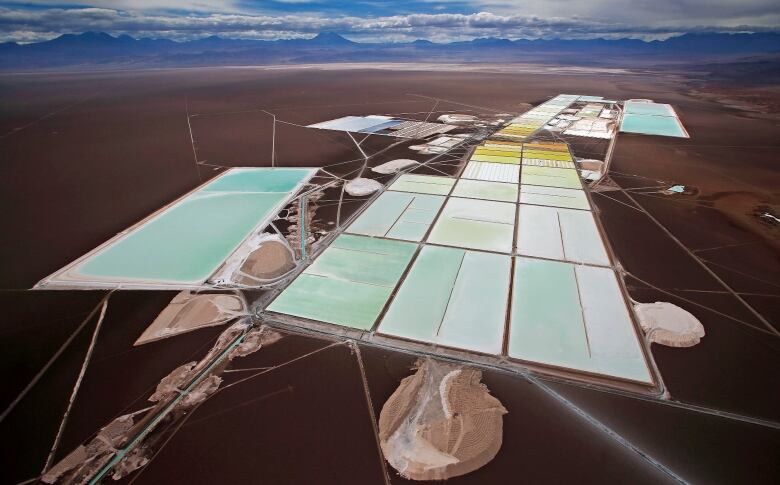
pixel 573 316
pixel 349 283
pixel 653 125
pixel 652 109
pixel 492 172
pixel 452 297
pixel 560 233
pixel 354 123
pixel 475 224
pixel 187 241
pixel 398 215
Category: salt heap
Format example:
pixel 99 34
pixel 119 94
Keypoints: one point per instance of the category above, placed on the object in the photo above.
pixel 457 119
pixel 441 422
pixel 362 186
pixel 394 166
pixel 668 324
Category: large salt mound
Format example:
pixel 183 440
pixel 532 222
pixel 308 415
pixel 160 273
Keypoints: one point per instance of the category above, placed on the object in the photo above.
pixel 457 119
pixel 441 422
pixel 668 324
pixel 362 186
pixel 394 166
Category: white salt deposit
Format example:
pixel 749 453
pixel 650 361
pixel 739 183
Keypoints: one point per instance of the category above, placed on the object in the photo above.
pixel 668 324
pixel 362 186
pixel 393 166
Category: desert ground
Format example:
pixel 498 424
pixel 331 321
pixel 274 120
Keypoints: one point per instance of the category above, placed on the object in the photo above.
pixel 85 155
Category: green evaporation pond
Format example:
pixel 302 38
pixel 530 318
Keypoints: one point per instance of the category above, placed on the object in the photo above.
pixel 349 283
pixel 573 316
pixel 550 177
pixel 423 184
pixel 398 215
pixel 481 189
pixel 418 308
pixel 475 224
pixel 452 297
pixel 187 242
pixel 554 197
pixel 547 323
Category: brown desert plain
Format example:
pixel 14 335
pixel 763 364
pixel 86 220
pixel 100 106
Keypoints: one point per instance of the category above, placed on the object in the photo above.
pixel 85 155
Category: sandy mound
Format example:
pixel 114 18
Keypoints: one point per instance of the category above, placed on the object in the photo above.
pixel 441 422
pixel 457 119
pixel 262 258
pixel 668 324
pixel 271 260
pixel 189 311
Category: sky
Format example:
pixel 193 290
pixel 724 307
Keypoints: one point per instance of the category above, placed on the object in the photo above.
pixel 385 20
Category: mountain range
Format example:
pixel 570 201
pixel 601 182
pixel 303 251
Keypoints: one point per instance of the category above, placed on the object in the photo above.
pixel 95 50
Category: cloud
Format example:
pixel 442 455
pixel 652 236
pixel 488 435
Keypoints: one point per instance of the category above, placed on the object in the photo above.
pixel 142 5
pixel 26 25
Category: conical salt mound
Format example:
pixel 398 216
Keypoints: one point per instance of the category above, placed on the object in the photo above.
pixel 362 186
pixel 668 324
pixel 441 422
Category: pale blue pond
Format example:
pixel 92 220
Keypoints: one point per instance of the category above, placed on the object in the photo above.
pixel 654 109
pixel 653 125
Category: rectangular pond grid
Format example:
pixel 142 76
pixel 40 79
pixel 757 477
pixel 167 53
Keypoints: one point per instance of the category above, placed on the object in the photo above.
pixel 566 308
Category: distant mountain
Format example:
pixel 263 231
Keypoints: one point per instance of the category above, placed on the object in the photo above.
pixel 723 43
pixel 330 38
pixel 490 42
pixel 94 50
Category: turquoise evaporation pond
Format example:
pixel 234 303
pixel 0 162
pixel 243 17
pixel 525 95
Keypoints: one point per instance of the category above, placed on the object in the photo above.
pixel 187 242
pixel 652 125
pixel 653 109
